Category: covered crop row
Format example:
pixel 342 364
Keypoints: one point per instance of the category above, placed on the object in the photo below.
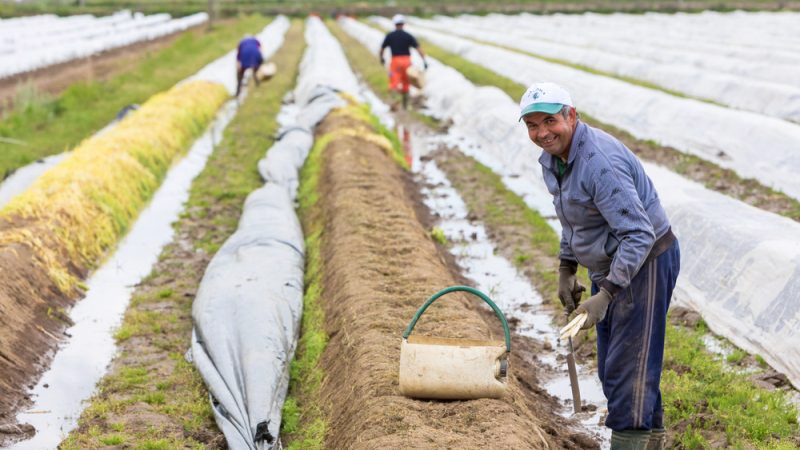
pixel 36 42
pixel 52 234
pixel 726 137
pixel 677 70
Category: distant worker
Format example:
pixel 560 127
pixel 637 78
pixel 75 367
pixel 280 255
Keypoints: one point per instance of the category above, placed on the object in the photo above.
pixel 400 43
pixel 248 56
pixel 614 225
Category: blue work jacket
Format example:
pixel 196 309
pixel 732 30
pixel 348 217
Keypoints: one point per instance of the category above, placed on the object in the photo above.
pixel 608 207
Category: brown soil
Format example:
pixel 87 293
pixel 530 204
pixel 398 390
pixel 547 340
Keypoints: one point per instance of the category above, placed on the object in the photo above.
pixel 31 307
pixel 379 267
pixel 56 78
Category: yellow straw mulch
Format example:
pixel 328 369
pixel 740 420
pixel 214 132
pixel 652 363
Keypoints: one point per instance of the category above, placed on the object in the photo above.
pixel 76 211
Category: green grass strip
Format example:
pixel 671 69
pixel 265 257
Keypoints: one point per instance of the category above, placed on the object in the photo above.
pixel 158 320
pixel 304 421
pixel 49 126
pixel 702 392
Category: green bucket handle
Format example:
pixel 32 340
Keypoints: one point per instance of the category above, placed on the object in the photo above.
pixel 464 289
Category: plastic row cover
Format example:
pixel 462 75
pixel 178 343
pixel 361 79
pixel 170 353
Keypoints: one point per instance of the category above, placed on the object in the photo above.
pixel 249 305
pixel 706 45
pixel 93 41
pixel 763 97
pixel 284 160
pixel 740 265
pixel 21 28
pixel 247 314
pixel 740 269
pixel 323 65
pixel 732 139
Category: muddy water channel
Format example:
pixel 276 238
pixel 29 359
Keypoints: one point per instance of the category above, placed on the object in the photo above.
pixel 513 293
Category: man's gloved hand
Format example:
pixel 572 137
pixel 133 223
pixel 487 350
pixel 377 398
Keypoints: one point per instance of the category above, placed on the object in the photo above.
pixel 596 307
pixel 383 61
pixel 569 290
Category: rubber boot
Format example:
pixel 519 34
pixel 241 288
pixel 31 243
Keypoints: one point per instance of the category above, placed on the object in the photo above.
pixel 630 439
pixel 405 100
pixel 658 439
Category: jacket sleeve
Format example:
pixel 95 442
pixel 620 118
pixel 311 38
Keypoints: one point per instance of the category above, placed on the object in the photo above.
pixel 614 191
pixel 565 252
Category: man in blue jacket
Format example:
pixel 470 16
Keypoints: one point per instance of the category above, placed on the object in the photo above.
pixel 614 225
pixel 248 56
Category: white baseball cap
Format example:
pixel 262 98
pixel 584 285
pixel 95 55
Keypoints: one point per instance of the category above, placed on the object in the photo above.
pixel 398 19
pixel 543 97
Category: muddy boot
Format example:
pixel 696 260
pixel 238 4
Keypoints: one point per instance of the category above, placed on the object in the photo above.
pixel 630 439
pixel 658 439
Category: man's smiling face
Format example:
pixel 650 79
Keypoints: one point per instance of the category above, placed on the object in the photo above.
pixel 552 132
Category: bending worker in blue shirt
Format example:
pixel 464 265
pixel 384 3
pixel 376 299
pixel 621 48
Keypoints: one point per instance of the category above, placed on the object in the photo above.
pixel 614 225
pixel 248 56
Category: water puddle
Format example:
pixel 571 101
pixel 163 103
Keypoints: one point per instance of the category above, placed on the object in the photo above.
pixel 497 277
pixel 82 360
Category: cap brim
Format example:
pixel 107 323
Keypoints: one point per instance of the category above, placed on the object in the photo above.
pixel 549 108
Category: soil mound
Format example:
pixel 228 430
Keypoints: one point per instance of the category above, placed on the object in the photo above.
pixel 379 266
pixel 32 320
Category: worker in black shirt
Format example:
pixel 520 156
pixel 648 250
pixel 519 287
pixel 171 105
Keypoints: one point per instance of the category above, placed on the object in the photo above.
pixel 400 43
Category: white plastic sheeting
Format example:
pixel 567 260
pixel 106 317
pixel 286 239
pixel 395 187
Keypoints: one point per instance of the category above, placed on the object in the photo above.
pixel 248 308
pixel 324 64
pixel 33 44
pixel 735 275
pixel 247 314
pixel 284 159
pixel 761 45
pixel 740 268
pixel 753 145
pixel 742 92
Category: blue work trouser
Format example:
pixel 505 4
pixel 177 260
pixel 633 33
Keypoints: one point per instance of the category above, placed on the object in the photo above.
pixel 630 345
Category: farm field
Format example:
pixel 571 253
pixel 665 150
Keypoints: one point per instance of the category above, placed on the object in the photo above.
pixel 267 251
